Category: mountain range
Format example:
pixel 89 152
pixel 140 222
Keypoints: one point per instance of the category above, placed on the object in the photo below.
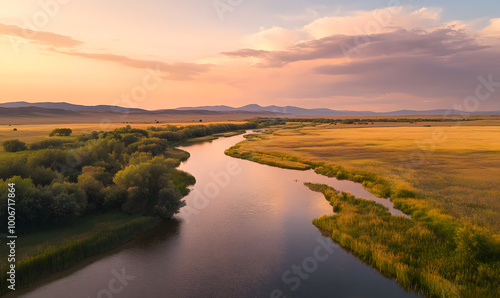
pixel 251 108
pixel 297 111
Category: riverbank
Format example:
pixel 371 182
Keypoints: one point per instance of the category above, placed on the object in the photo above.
pixel 436 253
pixel 51 251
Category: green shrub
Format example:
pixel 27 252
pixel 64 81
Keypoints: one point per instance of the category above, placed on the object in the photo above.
pixel 61 132
pixel 14 146
pixel 46 144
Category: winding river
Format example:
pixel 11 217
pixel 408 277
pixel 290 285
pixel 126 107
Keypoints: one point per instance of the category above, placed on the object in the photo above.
pixel 246 232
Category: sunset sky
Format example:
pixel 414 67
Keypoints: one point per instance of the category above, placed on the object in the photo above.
pixel 344 55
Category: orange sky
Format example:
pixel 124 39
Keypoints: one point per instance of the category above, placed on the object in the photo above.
pixel 165 54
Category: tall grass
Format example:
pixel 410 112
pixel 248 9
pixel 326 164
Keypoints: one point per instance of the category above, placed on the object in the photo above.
pixel 407 250
pixel 55 258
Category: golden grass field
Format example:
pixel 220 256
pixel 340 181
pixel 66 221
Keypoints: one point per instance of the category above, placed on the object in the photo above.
pixel 457 168
pixel 445 177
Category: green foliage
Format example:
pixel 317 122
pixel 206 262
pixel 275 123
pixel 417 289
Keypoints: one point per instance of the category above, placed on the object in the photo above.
pixel 195 131
pixel 155 146
pixel 68 201
pixel 14 146
pixel 130 138
pixel 46 144
pixel 139 157
pixel 86 137
pixel 30 207
pixel 348 121
pixel 90 182
pixel 14 166
pixel 149 188
pixel 42 175
pixel 61 132
pixel 127 130
pixel 114 198
pixel 169 202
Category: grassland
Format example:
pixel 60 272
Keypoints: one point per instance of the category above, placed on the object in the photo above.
pixel 455 168
pixel 446 177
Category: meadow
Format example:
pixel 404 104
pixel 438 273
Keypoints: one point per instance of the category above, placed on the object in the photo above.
pixel 444 176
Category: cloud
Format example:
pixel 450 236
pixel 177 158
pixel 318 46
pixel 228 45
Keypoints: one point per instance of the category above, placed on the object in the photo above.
pixel 67 45
pixel 173 71
pixel 440 42
pixel 493 29
pixel 373 22
pixel 39 37
pixel 423 76
pixel 274 38
pixel 354 23
pixel 410 59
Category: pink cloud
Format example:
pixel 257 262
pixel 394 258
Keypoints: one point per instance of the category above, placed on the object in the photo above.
pixel 172 71
pixel 39 37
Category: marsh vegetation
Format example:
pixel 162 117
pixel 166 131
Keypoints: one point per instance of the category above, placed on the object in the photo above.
pixel 446 178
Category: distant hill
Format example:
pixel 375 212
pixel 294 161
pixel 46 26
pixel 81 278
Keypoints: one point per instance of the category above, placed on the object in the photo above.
pixel 296 111
pixel 34 112
pixel 209 108
pixel 67 106
pixel 25 108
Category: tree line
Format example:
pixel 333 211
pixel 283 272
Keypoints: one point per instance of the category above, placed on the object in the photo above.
pixel 128 169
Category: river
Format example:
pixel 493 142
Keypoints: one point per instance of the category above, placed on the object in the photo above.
pixel 246 232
